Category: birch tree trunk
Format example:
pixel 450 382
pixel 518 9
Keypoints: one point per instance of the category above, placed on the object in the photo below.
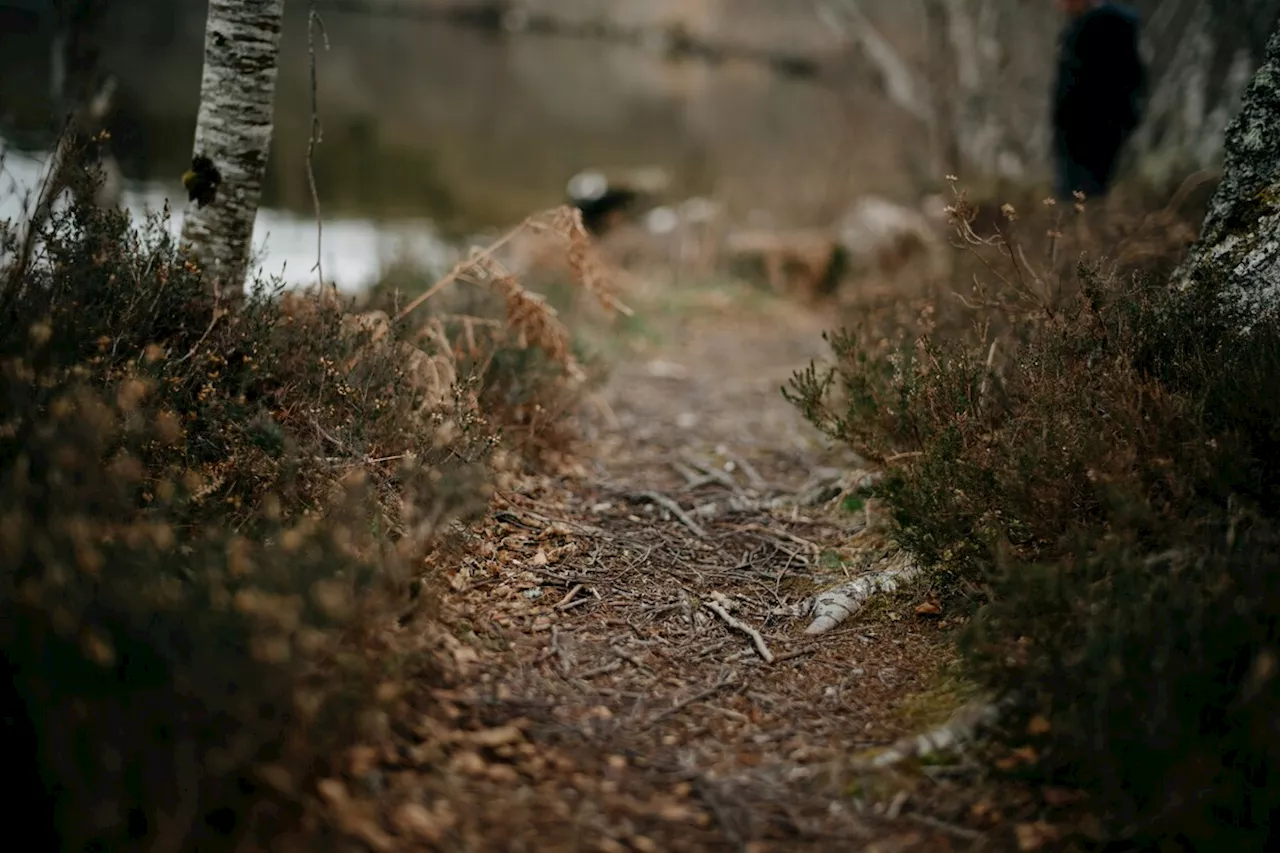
pixel 233 130
pixel 1238 253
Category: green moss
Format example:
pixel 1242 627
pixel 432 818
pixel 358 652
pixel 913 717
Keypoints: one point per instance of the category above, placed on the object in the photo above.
pixel 931 707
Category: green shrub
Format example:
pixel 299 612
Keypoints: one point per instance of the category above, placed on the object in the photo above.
pixel 1096 459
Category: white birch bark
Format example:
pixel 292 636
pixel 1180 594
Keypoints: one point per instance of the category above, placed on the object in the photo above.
pixel 1238 253
pixel 233 129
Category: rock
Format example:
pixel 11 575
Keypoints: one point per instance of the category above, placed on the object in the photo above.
pixel 804 261
pixel 1238 253
pixel 882 237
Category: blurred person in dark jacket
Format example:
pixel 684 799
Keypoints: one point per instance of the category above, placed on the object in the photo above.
pixel 1097 99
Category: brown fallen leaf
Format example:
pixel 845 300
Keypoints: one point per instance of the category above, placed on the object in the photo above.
pixel 332 791
pixel 928 608
pixel 1017 757
pixel 361 760
pixel 1061 796
pixel 468 763
pixel 1033 836
pixel 416 820
pixel 500 736
pixel 986 813
pixel 276 777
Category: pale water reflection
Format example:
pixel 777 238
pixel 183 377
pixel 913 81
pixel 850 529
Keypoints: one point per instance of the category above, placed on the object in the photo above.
pixel 433 134
pixel 352 250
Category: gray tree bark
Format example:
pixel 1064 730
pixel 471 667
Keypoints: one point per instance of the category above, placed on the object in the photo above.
pixel 1238 253
pixel 233 130
pixel 1201 55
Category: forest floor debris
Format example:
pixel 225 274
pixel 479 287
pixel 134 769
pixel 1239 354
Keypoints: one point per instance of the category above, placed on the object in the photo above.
pixel 628 676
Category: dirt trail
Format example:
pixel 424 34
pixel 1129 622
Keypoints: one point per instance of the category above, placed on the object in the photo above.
pixel 606 705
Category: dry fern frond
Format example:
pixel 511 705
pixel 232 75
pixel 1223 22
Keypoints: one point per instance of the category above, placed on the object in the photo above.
pixel 590 270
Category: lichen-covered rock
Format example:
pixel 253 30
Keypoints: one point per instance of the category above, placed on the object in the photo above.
pixel 1238 253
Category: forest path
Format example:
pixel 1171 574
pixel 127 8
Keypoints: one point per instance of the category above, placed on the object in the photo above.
pixel 612 695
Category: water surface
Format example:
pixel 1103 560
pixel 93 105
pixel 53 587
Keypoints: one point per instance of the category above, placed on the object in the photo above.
pixel 435 134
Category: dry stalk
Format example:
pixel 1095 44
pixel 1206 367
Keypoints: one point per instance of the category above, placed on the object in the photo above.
pixel 564 221
pixel 317 131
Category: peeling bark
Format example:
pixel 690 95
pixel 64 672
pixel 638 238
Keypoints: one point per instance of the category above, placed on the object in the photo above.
pixel 233 130
pixel 1238 253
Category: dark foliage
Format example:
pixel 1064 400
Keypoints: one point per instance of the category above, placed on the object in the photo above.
pixel 206 517
pixel 1099 470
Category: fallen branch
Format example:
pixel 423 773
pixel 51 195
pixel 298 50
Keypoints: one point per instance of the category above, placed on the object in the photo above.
pixel 837 604
pixel 674 508
pixel 962 832
pixel 685 703
pixel 569 596
pixel 962 727
pixel 756 638
pixel 753 476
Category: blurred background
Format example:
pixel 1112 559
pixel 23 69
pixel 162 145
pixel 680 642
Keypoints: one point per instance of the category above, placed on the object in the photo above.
pixel 446 120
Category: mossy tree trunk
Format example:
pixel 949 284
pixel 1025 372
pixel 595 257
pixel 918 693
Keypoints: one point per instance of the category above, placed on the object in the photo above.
pixel 233 130
pixel 1238 253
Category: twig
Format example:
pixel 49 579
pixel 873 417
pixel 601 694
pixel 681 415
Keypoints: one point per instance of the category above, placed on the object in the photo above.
pixel 558 651
pixel 462 266
pixel 317 131
pixel 217 291
pixel 797 653
pixel 600 670
pixel 565 608
pixel 325 435
pixel 80 123
pixel 943 826
pixel 685 703
pixel 630 658
pixel 674 508
pixel 712 473
pixel 739 625
pixel 783 534
pixel 564 602
pixel 753 476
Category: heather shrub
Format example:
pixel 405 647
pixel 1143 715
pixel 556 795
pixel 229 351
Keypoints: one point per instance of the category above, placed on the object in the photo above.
pixel 1093 461
pixel 210 519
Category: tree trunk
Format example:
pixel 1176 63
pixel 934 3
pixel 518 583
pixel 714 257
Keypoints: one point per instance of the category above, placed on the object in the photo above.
pixel 233 130
pixel 1201 54
pixel 1238 253
pixel 942 61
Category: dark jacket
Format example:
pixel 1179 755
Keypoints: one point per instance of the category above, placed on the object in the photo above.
pixel 1099 90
